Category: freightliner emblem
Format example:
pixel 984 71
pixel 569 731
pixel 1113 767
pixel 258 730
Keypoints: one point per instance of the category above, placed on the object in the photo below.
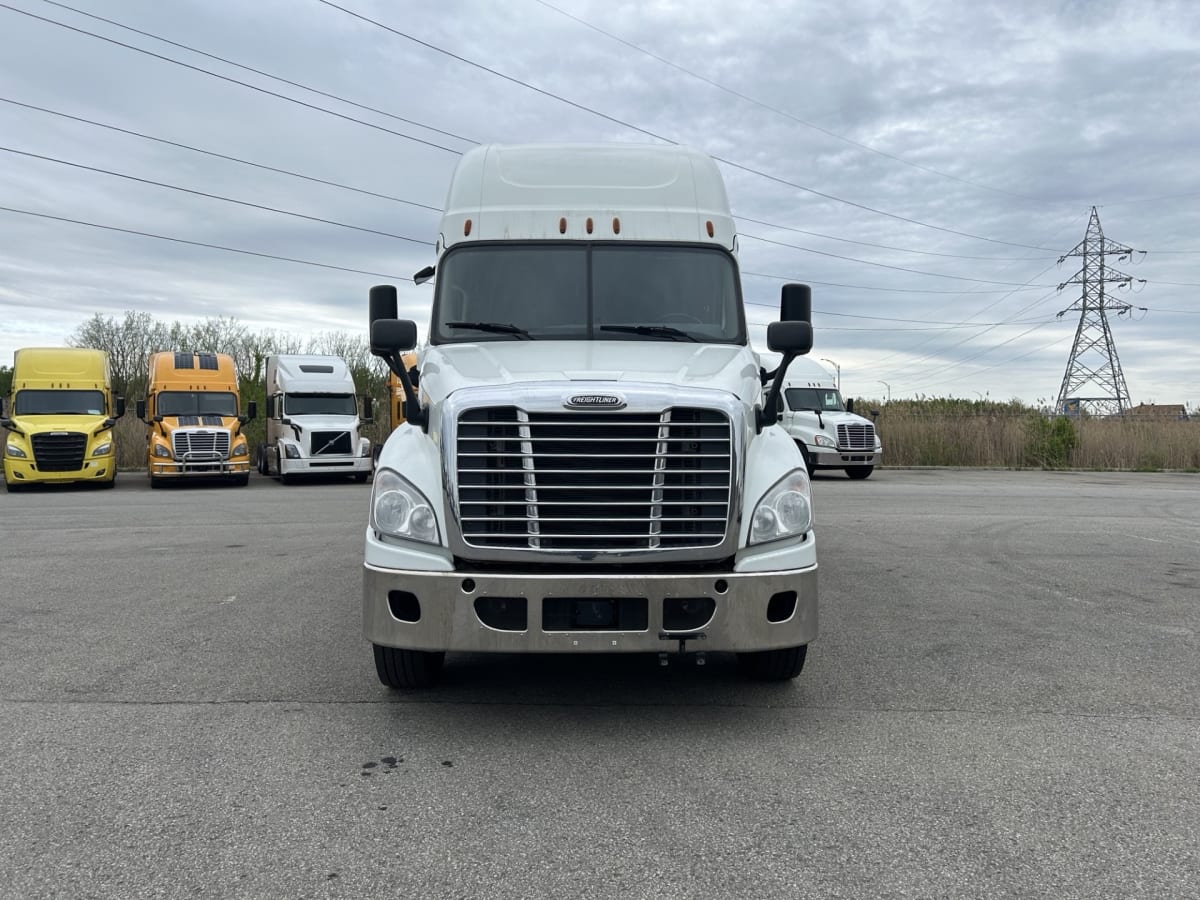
pixel 595 401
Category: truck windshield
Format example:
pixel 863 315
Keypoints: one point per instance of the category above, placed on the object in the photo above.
pixel 577 292
pixel 824 399
pixel 50 403
pixel 320 405
pixel 196 403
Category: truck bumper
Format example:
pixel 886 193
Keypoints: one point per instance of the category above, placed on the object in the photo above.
pixel 25 471
pixel 170 469
pixel 345 465
pixel 590 613
pixel 824 458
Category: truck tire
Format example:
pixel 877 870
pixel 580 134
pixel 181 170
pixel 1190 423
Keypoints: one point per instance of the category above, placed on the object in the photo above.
pixel 13 487
pixel 398 668
pixel 859 472
pixel 773 665
pixel 361 477
pixel 157 482
pixel 261 461
pixel 804 453
pixel 241 480
pixel 283 479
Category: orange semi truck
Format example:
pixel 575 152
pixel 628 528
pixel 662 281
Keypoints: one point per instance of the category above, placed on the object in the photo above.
pixel 192 413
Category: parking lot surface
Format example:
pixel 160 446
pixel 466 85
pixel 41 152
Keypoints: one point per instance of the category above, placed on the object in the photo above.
pixel 1002 703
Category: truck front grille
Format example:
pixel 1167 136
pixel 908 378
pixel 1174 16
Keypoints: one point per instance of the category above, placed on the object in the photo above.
pixel 214 444
pixel 59 452
pixel 611 481
pixel 330 443
pixel 856 437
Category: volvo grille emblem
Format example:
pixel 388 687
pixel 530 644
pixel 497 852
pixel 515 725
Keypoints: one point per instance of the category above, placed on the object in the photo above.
pixel 595 401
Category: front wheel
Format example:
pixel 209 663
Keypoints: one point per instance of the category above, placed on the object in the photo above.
pixel 804 453
pixel 773 665
pixel 361 477
pixel 859 472
pixel 399 668
pixel 241 480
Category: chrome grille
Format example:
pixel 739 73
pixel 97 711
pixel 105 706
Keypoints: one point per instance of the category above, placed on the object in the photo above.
pixel 856 437
pixel 59 451
pixel 214 444
pixel 593 481
pixel 330 443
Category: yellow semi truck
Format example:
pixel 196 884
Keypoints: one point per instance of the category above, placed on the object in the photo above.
pixel 60 418
pixel 194 427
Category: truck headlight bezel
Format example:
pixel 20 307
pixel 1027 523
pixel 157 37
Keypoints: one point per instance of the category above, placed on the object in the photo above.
pixel 12 451
pixel 290 451
pixel 784 511
pixel 399 510
pixel 239 449
pixel 103 449
pixel 162 450
pixel 824 440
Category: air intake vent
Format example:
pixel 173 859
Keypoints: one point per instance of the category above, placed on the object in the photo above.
pixel 207 361
pixel 317 370
pixel 185 361
pixel 201 444
pixel 330 443
pixel 588 481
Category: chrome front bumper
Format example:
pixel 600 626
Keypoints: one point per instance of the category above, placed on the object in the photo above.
pixel 825 458
pixel 446 616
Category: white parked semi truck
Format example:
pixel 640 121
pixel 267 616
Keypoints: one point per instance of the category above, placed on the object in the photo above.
pixel 589 466
pixel 313 425
pixel 828 432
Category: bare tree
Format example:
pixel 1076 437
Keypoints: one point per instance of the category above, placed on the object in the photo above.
pixel 129 344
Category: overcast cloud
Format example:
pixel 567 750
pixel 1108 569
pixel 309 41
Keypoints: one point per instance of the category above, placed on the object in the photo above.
pixel 967 142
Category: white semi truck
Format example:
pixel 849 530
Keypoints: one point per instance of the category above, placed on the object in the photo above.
pixel 313 422
pixel 828 432
pixel 589 466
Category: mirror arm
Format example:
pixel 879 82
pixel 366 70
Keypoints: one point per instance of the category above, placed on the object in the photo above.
pixel 414 414
pixel 762 417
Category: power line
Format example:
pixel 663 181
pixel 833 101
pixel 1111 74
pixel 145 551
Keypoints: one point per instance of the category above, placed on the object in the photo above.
pixel 174 187
pixel 890 290
pixel 279 78
pixel 214 154
pixel 883 265
pixel 656 136
pixel 831 237
pixel 175 240
pixel 253 87
pixel 782 112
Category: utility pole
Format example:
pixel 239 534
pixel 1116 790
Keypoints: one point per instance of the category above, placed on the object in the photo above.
pixel 1094 364
pixel 889 387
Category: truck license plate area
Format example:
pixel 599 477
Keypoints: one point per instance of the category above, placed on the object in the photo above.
pixel 595 614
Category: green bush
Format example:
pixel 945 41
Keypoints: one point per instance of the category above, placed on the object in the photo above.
pixel 1050 441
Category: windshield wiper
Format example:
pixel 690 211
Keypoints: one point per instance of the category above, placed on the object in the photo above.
pixel 655 330
pixel 495 327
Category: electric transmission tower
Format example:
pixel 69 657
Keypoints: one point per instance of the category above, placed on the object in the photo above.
pixel 1094 382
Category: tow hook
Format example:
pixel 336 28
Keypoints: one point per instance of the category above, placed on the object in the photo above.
pixel 683 638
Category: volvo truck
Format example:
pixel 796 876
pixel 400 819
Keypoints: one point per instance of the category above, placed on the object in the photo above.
pixel 588 464
pixel 193 419
pixel 826 430
pixel 313 425
pixel 60 418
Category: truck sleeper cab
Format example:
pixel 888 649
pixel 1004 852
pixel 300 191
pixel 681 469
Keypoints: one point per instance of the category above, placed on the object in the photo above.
pixel 60 419
pixel 588 467
pixel 194 427
pixel 313 426
pixel 827 431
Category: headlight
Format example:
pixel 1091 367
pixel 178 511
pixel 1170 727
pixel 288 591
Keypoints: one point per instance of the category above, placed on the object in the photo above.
pixel 400 510
pixel 239 449
pixel 14 451
pixel 102 449
pixel 878 444
pixel 824 440
pixel 162 450
pixel 291 451
pixel 784 511
pixel 364 447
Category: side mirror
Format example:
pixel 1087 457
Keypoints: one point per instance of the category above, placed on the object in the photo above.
pixel 390 336
pixel 795 303
pixel 794 337
pixel 424 275
pixel 120 407
pixel 251 413
pixel 850 405
pixel 367 410
pixel 140 410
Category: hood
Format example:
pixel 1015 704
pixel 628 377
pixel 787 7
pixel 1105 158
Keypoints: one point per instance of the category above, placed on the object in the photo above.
pixel 446 368
pixel 86 424
pixel 830 417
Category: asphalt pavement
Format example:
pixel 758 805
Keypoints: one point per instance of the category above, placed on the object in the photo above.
pixel 1002 703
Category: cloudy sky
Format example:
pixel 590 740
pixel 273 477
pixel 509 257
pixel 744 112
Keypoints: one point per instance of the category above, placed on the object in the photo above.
pixel 923 165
